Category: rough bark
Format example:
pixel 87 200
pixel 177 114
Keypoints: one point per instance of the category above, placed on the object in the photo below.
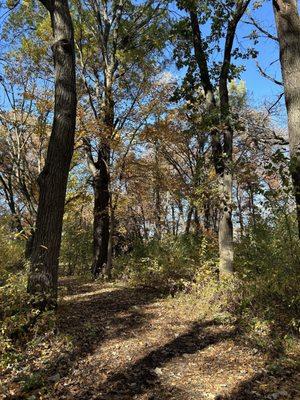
pixel 288 32
pixel 43 276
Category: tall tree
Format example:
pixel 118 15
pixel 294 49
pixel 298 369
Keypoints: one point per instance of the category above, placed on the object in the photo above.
pixel 219 114
pixel 288 31
pixel 53 179
pixel 114 74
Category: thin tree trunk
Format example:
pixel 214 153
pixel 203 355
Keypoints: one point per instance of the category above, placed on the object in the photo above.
pixel 174 223
pixel 110 245
pixel 157 196
pixel 252 206
pixel 197 222
pixel 53 179
pixel 29 244
pixel 240 211
pixel 288 32
pixel 101 217
pixel 189 220
pixel 207 214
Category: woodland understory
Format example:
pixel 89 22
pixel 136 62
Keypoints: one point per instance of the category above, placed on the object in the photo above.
pixel 149 199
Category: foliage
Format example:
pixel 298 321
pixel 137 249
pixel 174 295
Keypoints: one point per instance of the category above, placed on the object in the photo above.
pixel 13 312
pixel 267 263
pixel 76 250
pixel 171 264
pixel 11 250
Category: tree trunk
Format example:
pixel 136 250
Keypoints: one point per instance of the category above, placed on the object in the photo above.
pixel 29 244
pixel 225 226
pixel 288 32
pixel 53 179
pixel 197 222
pixel 109 266
pixel 189 220
pixel 101 216
pixel 157 196
pixel 240 210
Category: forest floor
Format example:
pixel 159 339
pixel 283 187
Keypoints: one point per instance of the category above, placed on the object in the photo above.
pixel 112 342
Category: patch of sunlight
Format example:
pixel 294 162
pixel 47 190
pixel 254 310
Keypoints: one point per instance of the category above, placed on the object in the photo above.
pixel 89 294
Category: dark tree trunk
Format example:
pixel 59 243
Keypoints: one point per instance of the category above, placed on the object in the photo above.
pixel 109 266
pixel 44 258
pixel 288 32
pixel 29 244
pixel 101 215
pixel 197 222
pixel 189 220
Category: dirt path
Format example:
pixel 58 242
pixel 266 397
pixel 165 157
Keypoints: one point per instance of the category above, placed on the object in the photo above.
pixel 113 342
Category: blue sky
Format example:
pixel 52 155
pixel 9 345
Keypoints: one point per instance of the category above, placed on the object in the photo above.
pixel 268 57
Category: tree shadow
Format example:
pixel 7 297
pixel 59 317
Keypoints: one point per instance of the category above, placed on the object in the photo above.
pixel 143 377
pixel 89 315
pixel 283 384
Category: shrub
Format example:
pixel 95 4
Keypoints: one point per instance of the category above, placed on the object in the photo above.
pixel 11 251
pixel 172 263
pixel 267 262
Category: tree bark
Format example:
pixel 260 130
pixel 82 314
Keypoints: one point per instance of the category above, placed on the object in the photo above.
pixel 288 32
pixel 44 260
pixel 101 217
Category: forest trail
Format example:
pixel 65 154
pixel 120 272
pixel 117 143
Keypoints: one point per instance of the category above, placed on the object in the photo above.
pixel 119 342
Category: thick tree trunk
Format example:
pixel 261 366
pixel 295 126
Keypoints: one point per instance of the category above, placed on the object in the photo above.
pixel 288 32
pixel 44 258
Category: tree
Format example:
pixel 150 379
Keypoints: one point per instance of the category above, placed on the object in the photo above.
pixel 24 129
pixel 224 19
pixel 114 66
pixel 288 31
pixel 43 275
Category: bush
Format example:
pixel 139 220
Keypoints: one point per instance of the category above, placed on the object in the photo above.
pixel 11 251
pixel 267 263
pixel 172 263
pixel 76 249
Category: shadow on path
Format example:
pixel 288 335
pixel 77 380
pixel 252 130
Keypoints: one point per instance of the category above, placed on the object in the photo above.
pixel 142 377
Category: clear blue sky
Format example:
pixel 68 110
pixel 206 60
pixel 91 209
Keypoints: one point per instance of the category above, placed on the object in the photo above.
pixel 268 57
